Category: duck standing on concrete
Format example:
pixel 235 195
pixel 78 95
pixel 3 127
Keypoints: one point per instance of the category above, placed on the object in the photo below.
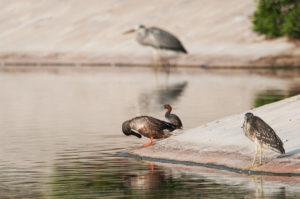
pixel 149 127
pixel 262 135
pixel 174 119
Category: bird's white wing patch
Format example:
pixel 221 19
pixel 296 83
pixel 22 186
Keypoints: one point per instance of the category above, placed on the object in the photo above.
pixel 135 131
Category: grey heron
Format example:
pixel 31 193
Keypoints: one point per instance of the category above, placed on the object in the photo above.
pixel 157 38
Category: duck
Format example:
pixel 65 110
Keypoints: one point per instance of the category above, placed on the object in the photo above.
pixel 149 127
pixel 172 118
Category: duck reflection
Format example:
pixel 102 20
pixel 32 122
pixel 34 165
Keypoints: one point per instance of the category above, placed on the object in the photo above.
pixel 154 99
pixel 146 180
pixel 93 177
pixel 90 178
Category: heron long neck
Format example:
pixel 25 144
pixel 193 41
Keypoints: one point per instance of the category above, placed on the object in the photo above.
pixel 141 36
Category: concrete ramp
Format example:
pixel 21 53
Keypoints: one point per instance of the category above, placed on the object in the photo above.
pixel 215 33
pixel 222 144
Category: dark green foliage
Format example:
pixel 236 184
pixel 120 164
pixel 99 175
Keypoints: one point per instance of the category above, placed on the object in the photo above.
pixel 270 96
pixel 291 27
pixel 267 98
pixel 275 18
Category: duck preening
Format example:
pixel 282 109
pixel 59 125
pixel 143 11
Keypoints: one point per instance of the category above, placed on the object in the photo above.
pixel 149 127
pixel 174 119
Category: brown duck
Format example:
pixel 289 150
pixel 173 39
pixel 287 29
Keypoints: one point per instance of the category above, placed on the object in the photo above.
pixel 174 119
pixel 149 127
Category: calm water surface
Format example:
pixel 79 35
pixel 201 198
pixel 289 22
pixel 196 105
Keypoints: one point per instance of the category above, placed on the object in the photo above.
pixel 61 129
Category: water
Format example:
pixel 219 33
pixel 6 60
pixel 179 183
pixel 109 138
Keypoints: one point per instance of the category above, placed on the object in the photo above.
pixel 61 129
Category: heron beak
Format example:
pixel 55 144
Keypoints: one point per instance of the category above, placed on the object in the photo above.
pixel 129 31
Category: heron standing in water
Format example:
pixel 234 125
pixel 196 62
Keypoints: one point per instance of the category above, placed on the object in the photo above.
pixel 158 39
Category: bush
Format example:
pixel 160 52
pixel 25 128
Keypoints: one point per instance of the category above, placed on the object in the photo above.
pixel 275 18
pixel 291 26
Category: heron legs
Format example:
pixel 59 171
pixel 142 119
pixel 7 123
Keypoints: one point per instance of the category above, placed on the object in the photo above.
pixel 149 143
pixel 253 165
pixel 255 155
pixel 155 61
pixel 155 58
pixel 261 153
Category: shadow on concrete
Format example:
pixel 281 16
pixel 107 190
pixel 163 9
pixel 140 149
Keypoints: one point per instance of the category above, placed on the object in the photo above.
pixel 289 154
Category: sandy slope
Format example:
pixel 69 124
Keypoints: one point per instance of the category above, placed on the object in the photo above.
pixel 215 32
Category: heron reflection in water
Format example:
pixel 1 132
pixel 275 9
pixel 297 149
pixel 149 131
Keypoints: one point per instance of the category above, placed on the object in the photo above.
pixel 274 191
pixel 154 99
pixel 157 38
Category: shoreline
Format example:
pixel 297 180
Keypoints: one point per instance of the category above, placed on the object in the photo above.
pixel 222 142
pixel 207 165
pixel 121 64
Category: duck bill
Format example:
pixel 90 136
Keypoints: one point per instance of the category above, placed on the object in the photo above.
pixel 136 134
pixel 129 31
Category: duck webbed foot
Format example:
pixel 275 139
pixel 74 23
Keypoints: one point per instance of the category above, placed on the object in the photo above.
pixel 149 143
